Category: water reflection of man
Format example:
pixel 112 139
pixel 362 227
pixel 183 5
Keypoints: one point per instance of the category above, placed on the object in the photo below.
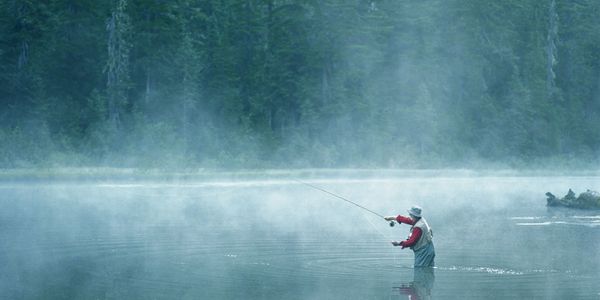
pixel 420 239
pixel 421 286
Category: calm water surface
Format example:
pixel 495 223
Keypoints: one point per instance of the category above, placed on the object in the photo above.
pixel 278 239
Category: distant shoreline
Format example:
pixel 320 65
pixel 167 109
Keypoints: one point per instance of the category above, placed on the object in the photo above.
pixel 133 174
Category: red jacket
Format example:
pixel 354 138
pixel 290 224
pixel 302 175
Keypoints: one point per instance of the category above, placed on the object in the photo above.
pixel 414 236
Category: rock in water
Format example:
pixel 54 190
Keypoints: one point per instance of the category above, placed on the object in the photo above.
pixel 586 200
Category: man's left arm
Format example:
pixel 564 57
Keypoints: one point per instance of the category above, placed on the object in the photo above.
pixel 412 240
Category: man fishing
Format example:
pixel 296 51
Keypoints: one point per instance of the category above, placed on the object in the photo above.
pixel 420 239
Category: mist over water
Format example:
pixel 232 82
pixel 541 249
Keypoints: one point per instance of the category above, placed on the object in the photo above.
pixel 137 141
pixel 274 238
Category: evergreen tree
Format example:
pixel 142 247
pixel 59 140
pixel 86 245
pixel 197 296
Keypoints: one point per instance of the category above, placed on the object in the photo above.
pixel 264 83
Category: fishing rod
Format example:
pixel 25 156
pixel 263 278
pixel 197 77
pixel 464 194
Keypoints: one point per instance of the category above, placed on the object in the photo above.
pixel 342 198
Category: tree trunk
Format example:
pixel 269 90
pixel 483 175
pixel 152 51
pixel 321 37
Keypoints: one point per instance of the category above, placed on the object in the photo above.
pixel 118 62
pixel 23 55
pixel 551 47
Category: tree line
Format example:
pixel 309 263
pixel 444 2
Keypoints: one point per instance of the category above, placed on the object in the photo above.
pixel 299 83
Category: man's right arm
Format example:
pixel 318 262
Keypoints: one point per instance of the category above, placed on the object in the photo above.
pixel 400 219
pixel 406 220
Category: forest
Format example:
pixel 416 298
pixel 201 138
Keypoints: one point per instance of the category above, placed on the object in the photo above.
pixel 300 83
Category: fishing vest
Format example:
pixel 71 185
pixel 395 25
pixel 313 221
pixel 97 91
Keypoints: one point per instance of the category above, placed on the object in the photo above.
pixel 426 234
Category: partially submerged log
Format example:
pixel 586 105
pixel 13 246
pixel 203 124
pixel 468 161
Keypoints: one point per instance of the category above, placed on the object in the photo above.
pixel 585 200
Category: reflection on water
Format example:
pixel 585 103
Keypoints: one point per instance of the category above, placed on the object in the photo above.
pixel 495 239
pixel 573 220
pixel 421 286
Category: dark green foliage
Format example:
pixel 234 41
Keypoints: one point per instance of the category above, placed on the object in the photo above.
pixel 265 83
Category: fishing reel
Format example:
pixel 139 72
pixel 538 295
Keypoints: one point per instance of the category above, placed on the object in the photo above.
pixel 392 223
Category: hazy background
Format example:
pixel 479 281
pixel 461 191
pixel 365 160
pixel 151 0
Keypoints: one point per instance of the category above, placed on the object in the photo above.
pixel 332 83
pixel 339 93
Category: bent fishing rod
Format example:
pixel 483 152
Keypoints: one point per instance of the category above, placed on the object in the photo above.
pixel 342 198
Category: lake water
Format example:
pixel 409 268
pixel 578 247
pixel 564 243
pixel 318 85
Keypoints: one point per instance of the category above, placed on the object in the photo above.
pixel 279 239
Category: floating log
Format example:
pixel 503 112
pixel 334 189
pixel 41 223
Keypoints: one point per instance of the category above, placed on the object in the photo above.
pixel 586 200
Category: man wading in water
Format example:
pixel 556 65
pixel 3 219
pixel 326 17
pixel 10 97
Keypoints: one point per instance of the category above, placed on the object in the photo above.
pixel 420 239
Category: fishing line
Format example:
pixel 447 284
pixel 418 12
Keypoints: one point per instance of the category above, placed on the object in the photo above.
pixel 359 206
pixel 342 198
pixel 387 237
